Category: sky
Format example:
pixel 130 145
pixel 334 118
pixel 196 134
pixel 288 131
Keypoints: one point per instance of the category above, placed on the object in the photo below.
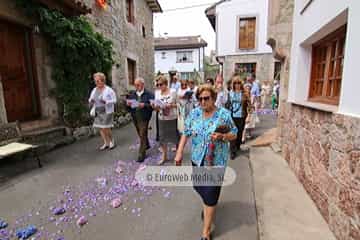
pixel 185 22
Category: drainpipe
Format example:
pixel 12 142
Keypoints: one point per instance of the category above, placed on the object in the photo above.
pixel 199 59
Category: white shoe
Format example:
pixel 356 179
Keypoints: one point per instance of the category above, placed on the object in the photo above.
pixel 161 162
pixel 111 145
pixel 103 147
pixel 163 159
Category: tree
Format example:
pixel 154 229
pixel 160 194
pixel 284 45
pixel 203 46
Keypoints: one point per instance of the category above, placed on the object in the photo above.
pixel 210 70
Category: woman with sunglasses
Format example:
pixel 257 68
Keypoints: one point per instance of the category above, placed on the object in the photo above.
pixel 209 148
pixel 165 104
pixel 239 103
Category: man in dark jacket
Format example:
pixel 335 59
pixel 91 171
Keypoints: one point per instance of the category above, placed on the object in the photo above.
pixel 138 103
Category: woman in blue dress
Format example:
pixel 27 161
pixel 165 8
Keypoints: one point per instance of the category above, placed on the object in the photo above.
pixel 210 146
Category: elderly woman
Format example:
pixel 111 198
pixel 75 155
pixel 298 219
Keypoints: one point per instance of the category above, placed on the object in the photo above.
pixel 210 129
pixel 239 107
pixel 165 104
pixel 103 99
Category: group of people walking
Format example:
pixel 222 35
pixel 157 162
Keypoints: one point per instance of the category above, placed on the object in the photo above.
pixel 211 115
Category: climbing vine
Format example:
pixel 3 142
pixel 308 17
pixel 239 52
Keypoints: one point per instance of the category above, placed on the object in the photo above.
pixel 77 52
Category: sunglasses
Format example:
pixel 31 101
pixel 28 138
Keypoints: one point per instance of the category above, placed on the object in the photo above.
pixel 159 84
pixel 207 98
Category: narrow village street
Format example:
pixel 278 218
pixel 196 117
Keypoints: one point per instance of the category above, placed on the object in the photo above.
pixel 179 120
pixel 162 213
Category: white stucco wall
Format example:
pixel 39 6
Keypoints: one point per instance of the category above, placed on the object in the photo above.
pixel 169 63
pixel 227 26
pixel 317 21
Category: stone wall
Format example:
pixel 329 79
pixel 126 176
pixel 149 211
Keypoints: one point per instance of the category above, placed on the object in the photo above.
pixel 280 29
pixel 264 65
pixel 127 39
pixel 323 149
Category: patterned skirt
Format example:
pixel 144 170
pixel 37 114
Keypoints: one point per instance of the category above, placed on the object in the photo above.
pixel 102 119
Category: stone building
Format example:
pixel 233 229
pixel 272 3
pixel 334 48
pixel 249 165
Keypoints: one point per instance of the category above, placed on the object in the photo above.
pixel 25 68
pixel 240 27
pixel 319 115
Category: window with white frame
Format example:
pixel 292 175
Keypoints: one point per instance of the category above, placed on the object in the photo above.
pixel 184 56
pixel 163 55
pixel 185 75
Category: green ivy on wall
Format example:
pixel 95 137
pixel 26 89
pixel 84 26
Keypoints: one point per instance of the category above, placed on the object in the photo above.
pixel 77 52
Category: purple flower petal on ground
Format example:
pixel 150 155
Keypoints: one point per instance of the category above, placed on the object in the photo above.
pixel 59 211
pixel 81 221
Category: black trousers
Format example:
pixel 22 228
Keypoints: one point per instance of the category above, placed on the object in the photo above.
pixel 157 127
pixel 142 127
pixel 240 124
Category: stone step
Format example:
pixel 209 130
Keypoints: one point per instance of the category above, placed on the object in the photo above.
pixel 36 124
pixel 44 134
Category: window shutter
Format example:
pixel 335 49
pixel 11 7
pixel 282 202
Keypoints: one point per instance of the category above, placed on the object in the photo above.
pixel 327 65
pixel 247 33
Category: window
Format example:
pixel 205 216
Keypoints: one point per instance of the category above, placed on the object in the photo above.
pixel 185 56
pixel 247 33
pixel 130 11
pixel 185 75
pixel 244 69
pixel 143 31
pixel 327 67
pixel 277 71
pixel 163 55
pixel 131 71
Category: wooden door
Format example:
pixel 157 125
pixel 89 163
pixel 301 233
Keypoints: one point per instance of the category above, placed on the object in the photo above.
pixel 15 72
pixel 131 71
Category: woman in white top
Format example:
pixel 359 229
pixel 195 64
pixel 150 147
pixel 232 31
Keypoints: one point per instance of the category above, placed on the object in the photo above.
pixel 165 104
pixel 103 99
pixel 183 108
pixel 265 94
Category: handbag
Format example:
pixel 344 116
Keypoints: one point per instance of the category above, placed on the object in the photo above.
pixel 92 111
pixel 222 129
pixel 228 102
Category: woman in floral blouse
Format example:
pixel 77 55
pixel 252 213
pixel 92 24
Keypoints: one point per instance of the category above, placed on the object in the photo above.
pixel 210 146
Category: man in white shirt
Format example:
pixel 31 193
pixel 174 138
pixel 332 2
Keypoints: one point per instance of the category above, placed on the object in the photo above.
pixel 222 94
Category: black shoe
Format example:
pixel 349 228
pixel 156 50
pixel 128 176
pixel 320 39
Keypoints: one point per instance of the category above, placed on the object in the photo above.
pixel 206 238
pixel 232 156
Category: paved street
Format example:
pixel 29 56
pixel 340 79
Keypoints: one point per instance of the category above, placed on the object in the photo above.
pixel 161 213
